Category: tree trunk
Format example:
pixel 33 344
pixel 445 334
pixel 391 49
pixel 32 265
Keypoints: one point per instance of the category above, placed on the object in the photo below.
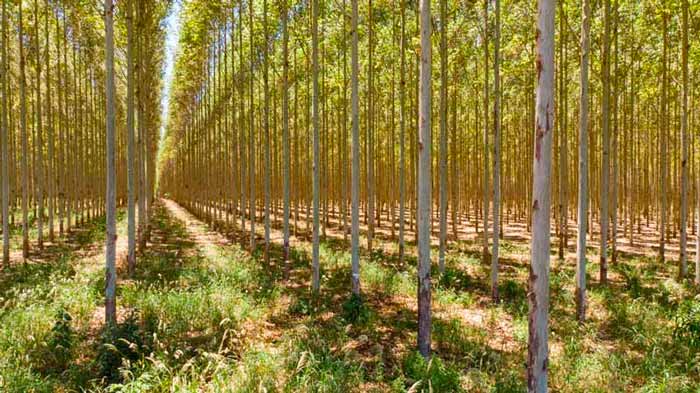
pixel 355 186
pixel 485 161
pixel 605 167
pixel 316 281
pixel 131 213
pixel 402 135
pixel 111 202
pixel 443 135
pixel 285 136
pixel 496 153
pixel 538 297
pixel 583 167
pixel 683 270
pixel 424 181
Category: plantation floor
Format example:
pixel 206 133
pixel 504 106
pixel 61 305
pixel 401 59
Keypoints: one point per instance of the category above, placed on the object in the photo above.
pixel 202 314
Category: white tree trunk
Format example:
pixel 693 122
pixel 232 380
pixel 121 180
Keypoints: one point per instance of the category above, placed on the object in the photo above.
pixel 316 174
pixel 583 167
pixel 496 154
pixel 683 271
pixel 355 186
pixel 111 201
pixel 424 180
pixel 538 297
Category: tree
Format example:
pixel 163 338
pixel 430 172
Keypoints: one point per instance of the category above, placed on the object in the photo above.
pixel 683 269
pixel 583 167
pixel 355 182
pixel 25 149
pixel 39 130
pixel 111 199
pixel 131 191
pixel 4 142
pixel 538 295
pixel 496 153
pixel 285 135
pixel 485 161
pixel 316 281
pixel 402 134
pixel 443 135
pixel 605 166
pixel 424 180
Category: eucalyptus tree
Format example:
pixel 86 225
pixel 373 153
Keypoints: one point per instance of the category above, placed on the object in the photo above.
pixel 538 282
pixel 355 118
pixel 424 180
pixel 131 183
pixel 316 281
pixel 443 135
pixel 4 142
pixel 605 165
pixel 38 131
pixel 496 151
pixel 683 268
pixel 583 165
pixel 111 199
pixel 284 11
pixel 24 136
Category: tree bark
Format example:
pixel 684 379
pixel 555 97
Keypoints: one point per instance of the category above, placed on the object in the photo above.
pixel 496 153
pixel 683 269
pixel 583 167
pixel 538 297
pixel 111 202
pixel 424 180
pixel 355 186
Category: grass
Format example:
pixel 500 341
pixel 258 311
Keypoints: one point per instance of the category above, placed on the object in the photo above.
pixel 202 315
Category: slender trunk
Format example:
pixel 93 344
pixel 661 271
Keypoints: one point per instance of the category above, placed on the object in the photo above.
pixel 370 135
pixel 4 142
pixel 316 174
pixel 485 160
pixel 605 167
pixel 50 121
pixel 496 153
pixel 683 270
pixel 285 135
pixel 424 181
pixel 583 167
pixel 25 150
pixel 111 202
pixel 538 297
pixel 402 136
pixel 443 135
pixel 251 131
pixel 39 143
pixel 131 224
pixel 266 130
pixel 663 134
pixel 355 186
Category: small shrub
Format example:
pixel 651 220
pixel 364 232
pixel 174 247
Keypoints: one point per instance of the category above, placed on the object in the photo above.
pixel 430 375
pixel 687 324
pixel 633 280
pixel 122 344
pixel 300 307
pixel 57 353
pixel 354 310
pixel 510 383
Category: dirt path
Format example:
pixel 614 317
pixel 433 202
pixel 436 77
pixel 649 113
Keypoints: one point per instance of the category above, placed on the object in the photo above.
pixel 205 239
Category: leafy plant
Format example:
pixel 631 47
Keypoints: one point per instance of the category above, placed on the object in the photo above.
pixel 430 375
pixel 687 324
pixel 354 310
pixel 122 344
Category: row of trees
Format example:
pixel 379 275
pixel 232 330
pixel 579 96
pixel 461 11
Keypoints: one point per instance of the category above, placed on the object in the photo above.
pixel 325 108
pixel 52 140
